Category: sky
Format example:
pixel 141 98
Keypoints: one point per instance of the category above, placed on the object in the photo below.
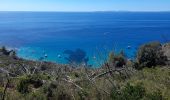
pixel 84 5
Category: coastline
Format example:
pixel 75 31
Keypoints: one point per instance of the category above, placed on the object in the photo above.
pixel 29 79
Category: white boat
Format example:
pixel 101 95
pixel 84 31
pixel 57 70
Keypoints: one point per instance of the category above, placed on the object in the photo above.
pixel 59 56
pixel 45 55
pixel 129 47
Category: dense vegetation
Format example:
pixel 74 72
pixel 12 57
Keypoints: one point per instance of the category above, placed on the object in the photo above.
pixel 145 78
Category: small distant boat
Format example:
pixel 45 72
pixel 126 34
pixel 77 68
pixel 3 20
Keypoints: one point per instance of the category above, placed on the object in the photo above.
pixel 59 56
pixel 129 47
pixel 45 55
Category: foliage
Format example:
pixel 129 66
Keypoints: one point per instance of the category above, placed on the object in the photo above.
pixel 136 92
pixel 48 89
pixel 1 92
pixel 155 96
pixel 35 80
pixel 37 95
pixel 64 96
pixel 4 51
pixel 52 81
pixel 153 79
pixel 118 60
pixel 22 87
pixel 129 93
pixel 150 55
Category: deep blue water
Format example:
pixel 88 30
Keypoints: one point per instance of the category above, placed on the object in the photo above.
pixel 36 33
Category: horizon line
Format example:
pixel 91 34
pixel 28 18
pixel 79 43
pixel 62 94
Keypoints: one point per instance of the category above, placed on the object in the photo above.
pixel 80 11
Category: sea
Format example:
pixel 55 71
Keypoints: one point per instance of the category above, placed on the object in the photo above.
pixel 47 35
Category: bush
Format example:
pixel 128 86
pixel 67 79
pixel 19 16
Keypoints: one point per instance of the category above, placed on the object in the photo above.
pixel 35 80
pixel 4 51
pixel 118 60
pixel 150 55
pixel 64 96
pixel 129 93
pixel 48 89
pixel 22 87
pixel 1 92
pixel 155 96
pixel 37 95
pixel 133 92
pixel 136 92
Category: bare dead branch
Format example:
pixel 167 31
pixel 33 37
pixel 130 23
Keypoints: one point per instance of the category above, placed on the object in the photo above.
pixel 70 81
pixel 5 89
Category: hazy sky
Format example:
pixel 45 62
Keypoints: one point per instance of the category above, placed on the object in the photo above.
pixel 84 5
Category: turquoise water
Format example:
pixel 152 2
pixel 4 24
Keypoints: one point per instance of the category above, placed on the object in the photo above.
pixel 35 34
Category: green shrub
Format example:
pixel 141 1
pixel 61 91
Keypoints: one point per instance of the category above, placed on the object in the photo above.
pixel 133 92
pixel 150 55
pixel 22 86
pixel 38 95
pixel 1 92
pixel 35 80
pixel 155 96
pixel 49 90
pixel 82 95
pixel 64 96
pixel 118 60
pixel 136 92
pixel 4 50
pixel 129 93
